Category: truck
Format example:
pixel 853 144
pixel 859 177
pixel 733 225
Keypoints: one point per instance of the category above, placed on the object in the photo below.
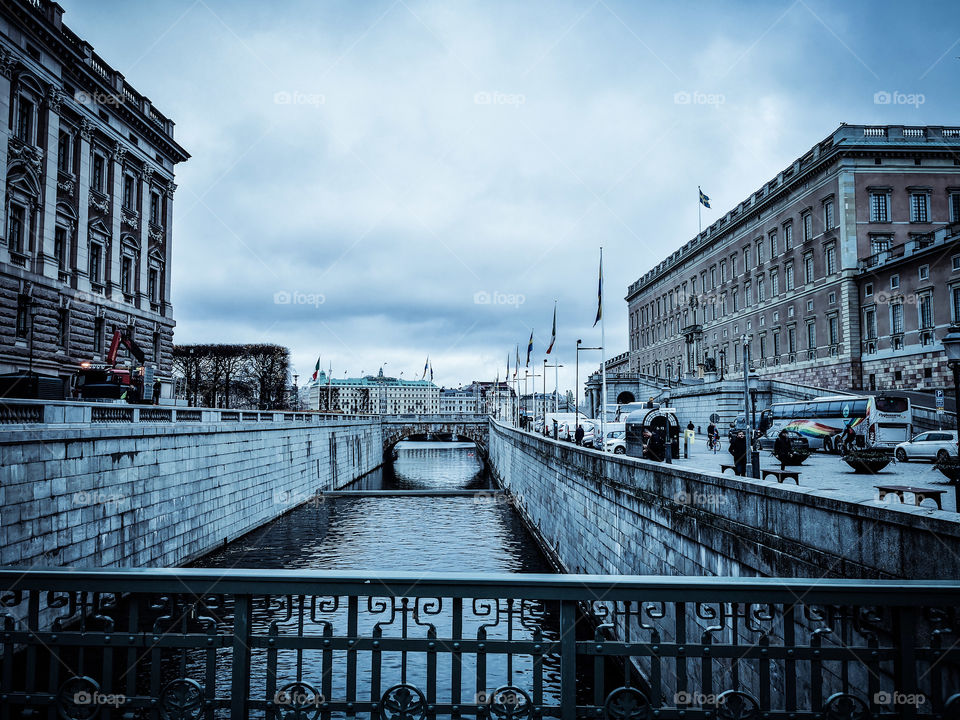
pixel 108 381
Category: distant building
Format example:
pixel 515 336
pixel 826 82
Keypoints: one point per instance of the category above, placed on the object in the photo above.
pixel 843 271
pixel 87 198
pixel 460 401
pixel 374 394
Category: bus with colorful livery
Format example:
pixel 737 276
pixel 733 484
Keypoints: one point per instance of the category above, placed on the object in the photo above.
pixel 880 421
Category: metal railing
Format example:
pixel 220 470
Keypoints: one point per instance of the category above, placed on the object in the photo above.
pixel 309 644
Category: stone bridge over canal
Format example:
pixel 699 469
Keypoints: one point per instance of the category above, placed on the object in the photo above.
pixel 395 428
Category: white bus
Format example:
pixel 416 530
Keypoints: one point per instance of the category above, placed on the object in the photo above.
pixel 881 421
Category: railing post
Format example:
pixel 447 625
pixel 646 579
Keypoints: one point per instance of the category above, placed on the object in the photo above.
pixel 240 680
pixel 568 660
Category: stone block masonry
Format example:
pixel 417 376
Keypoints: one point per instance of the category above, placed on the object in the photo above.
pixel 159 495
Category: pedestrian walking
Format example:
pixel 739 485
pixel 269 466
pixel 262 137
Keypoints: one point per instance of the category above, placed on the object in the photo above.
pixel 578 435
pixel 738 448
pixel 782 449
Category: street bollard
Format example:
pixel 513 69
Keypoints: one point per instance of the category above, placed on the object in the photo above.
pixel 668 450
pixel 685 448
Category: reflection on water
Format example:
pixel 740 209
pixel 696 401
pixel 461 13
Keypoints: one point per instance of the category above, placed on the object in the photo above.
pixel 437 534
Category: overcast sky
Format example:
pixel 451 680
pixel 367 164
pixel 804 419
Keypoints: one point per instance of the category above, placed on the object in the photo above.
pixel 386 167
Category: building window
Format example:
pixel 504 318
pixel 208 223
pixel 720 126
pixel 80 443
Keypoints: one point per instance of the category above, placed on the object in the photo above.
pixel 925 309
pixel 811 335
pixel 723 305
pixel 96 262
pixel 896 318
pixel 788 236
pixel 828 214
pixel 155 208
pixel 879 244
pixel 16 228
pixel 789 276
pixel 791 340
pixel 870 323
pixel 763 346
pixel 790 311
pixel 924 272
pixel 733 298
pixel 63 330
pixel 733 265
pixel 98 335
pixel 773 244
pixel 153 281
pixel 23 316
pixel 878 207
pixel 868 289
pixel 955 263
pixel 834 328
pixel 759 253
pixel 96 173
pixel 955 302
pixel 64 154
pixel 128 192
pixel 830 255
pixel 809 305
pixel 919 208
pixel 25 115
pixel 723 271
pixel 776 344
pixel 894 282
pixel 955 207
pixel 713 277
pixel 746 294
pixel 760 290
pixel 60 246
pixel 126 275
pixel 774 282
pixel 746 258
pixel 808 267
pixel 807 226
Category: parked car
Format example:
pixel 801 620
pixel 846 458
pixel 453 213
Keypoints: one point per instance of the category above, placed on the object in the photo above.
pixel 933 445
pixel 617 442
pixel 799 446
pixel 590 432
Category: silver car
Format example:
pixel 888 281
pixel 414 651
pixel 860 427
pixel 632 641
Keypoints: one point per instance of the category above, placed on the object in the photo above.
pixel 933 445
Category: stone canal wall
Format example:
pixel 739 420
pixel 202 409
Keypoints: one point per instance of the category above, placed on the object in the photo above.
pixel 604 514
pixel 155 495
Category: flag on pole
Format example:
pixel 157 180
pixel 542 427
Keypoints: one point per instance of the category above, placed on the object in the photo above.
pixel 704 200
pixel 529 348
pixel 431 372
pixel 426 364
pixel 553 335
pixel 516 367
pixel 600 292
pixel 316 370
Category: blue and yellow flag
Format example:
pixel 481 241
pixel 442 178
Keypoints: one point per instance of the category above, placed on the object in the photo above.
pixel 600 292
pixel 553 335
pixel 529 348
pixel 704 200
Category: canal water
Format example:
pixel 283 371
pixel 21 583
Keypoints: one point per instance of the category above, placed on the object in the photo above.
pixel 481 534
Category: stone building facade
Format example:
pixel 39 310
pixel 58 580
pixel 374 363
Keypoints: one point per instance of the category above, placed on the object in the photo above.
pixel 788 269
pixel 85 232
pixel 374 394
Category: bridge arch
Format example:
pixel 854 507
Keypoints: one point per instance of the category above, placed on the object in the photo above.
pixel 399 427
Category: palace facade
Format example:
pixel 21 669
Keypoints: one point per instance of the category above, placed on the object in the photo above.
pixel 843 271
pixel 87 198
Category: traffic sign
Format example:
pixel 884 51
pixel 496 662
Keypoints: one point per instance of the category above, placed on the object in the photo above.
pixel 940 400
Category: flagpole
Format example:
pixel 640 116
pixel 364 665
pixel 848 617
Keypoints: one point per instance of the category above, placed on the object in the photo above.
pixel 603 366
pixel 699 221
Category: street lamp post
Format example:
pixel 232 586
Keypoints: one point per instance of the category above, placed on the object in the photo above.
pixel 723 361
pixel 576 397
pixel 951 347
pixel 296 394
pixel 753 459
pixel 544 395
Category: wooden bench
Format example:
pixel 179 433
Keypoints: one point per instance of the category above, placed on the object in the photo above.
pixel 920 493
pixel 781 475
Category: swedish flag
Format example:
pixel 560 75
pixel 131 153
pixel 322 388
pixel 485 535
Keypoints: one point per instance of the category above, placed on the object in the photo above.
pixel 704 200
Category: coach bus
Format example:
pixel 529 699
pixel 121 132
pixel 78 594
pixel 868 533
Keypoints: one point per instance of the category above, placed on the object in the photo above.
pixel 879 421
